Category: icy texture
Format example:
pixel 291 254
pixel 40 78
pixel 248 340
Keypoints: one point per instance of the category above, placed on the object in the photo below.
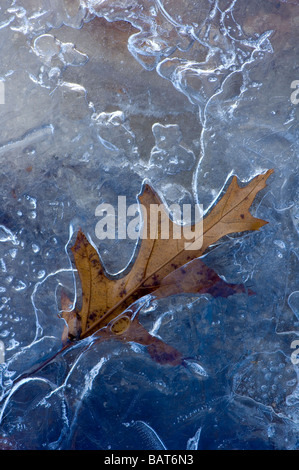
pixel 100 95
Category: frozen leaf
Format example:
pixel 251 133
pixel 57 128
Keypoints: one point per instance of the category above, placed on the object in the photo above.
pixel 162 268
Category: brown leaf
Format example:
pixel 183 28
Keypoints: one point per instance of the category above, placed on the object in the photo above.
pixel 196 277
pixel 72 328
pixel 134 332
pixel 163 267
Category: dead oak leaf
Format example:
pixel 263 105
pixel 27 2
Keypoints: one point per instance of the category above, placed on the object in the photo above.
pixel 163 267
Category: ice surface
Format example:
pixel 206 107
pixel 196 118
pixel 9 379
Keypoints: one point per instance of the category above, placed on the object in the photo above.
pixel 97 97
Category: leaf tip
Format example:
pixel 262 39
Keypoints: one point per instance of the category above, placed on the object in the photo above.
pixel 80 239
pixel 147 193
pixel 259 224
pixel 235 181
pixel 251 292
pixel 270 171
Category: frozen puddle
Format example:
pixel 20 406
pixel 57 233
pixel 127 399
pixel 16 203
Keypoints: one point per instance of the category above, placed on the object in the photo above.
pixel 96 98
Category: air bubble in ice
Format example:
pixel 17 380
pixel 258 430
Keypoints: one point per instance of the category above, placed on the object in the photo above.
pixel 280 244
pixel 35 248
pixel 20 286
pixel 71 56
pixel 54 73
pixel 153 11
pixel 291 383
pixel 12 344
pixel 6 235
pixel 4 333
pixel 195 368
pixel 41 274
pixel 13 252
pixel 46 46
pixel 31 201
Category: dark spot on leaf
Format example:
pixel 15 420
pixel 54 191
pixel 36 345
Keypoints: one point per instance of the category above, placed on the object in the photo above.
pixel 76 247
pixel 92 316
pixel 123 293
pixel 164 354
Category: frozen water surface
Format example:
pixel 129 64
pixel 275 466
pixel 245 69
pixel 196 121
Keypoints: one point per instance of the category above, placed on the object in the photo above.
pixel 96 96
